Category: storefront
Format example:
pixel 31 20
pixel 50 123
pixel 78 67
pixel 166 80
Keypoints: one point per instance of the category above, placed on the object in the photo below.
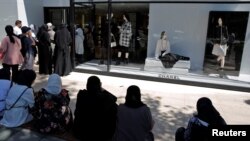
pixel 191 28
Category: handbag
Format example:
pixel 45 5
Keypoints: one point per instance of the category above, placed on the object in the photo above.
pixel 113 41
pixel 219 50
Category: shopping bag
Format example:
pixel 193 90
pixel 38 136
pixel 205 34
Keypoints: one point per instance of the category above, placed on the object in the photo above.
pixel 218 50
pixel 113 41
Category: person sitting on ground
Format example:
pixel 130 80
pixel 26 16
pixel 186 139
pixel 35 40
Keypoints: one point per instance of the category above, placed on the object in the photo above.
pixel 197 129
pixel 19 100
pixel 134 121
pixel 51 112
pixel 95 113
pixel 5 84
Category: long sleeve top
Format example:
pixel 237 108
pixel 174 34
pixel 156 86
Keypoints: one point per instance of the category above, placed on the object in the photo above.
pixel 19 114
pixel 162 45
pixel 12 54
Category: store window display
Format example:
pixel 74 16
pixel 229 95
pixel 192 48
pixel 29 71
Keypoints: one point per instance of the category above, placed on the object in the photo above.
pixel 220 43
pixel 124 41
pixel 163 52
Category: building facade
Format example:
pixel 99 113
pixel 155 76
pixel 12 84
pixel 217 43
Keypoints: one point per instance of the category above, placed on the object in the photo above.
pixel 190 28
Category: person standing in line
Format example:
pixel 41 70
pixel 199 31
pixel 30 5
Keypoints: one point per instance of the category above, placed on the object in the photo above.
pixel 79 46
pixel 63 40
pixel 10 47
pixel 44 50
pixel 52 36
pixel 27 50
pixel 17 28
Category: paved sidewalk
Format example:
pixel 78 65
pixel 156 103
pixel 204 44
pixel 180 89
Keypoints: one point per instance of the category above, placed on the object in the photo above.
pixel 171 104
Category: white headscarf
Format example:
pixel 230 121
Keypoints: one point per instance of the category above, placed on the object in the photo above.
pixel 54 85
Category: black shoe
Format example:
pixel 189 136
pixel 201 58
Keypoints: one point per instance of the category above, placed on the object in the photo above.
pixel 101 62
pixel 126 61
pixel 117 62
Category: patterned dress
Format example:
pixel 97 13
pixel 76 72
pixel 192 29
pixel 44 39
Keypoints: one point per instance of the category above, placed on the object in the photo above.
pixel 51 112
pixel 126 33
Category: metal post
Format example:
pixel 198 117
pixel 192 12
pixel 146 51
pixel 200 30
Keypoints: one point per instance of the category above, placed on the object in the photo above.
pixel 109 32
pixel 72 23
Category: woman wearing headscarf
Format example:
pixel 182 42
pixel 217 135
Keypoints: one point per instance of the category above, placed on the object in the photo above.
pixel 44 50
pixel 197 129
pixel 95 113
pixel 79 46
pixel 51 111
pixel 134 121
pixel 10 47
pixel 62 51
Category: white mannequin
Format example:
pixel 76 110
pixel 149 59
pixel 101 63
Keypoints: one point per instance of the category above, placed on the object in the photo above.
pixel 221 58
pixel 125 36
pixel 162 45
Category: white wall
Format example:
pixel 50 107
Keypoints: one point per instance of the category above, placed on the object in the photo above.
pixel 56 3
pixel 8 15
pixel 34 12
pixel 28 11
pixel 186 25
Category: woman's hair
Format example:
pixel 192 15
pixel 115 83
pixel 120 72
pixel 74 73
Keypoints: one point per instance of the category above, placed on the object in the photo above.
pixel 26 77
pixel 127 17
pixel 207 112
pixel 5 74
pixel 93 84
pixel 10 32
pixel 133 97
pixel 162 33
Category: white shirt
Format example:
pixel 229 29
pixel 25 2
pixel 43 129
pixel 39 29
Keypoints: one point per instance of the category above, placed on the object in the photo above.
pixel 162 45
pixel 17 30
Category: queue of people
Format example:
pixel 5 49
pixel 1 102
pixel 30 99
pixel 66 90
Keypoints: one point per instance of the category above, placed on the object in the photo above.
pixel 97 115
pixel 22 44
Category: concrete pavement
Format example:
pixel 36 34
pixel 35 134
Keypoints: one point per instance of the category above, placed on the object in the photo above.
pixel 171 104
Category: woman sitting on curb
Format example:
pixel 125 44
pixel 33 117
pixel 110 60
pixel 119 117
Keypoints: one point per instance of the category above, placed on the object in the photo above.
pixel 51 112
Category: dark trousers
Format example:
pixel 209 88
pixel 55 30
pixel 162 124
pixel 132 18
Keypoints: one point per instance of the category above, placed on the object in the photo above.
pixel 14 70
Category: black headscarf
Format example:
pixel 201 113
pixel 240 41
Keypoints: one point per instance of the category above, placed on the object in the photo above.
pixel 133 97
pixel 207 112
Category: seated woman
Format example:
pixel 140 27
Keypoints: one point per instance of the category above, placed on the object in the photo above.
pixel 19 99
pixel 134 121
pixel 95 113
pixel 5 84
pixel 51 111
pixel 163 52
pixel 197 129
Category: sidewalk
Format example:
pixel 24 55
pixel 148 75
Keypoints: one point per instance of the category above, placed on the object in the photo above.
pixel 171 104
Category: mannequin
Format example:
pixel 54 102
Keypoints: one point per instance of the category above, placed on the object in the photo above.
pixel 125 36
pixel 105 32
pixel 163 52
pixel 221 37
pixel 162 46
